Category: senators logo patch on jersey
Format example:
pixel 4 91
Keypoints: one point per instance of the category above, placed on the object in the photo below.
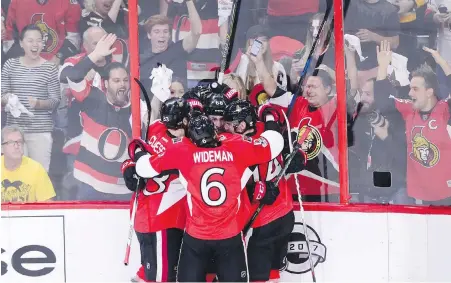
pixel 423 151
pixel 309 138
pixel 50 37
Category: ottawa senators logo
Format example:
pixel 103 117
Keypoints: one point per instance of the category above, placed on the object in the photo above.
pixel 309 138
pixel 423 151
pixel 50 37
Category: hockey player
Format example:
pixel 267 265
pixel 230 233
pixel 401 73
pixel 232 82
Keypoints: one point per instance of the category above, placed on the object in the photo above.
pixel 211 171
pixel 160 218
pixel 214 107
pixel 267 247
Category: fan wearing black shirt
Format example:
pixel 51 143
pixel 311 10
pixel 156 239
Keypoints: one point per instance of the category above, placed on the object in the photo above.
pixel 111 16
pixel 162 50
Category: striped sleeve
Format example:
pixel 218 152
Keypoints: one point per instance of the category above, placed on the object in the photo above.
pixel 6 82
pixel 53 87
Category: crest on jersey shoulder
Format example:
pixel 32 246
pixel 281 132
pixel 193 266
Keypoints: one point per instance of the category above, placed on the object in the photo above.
pixel 177 139
pixel 246 138
pixel 261 141
pixel 423 150
pixel 222 138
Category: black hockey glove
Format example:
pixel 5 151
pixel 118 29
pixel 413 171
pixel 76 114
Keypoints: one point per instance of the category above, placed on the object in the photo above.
pixel 298 163
pixel 266 192
pixel 230 94
pixel 196 107
pixel 131 179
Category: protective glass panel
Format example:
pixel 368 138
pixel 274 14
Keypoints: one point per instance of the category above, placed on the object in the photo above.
pixel 74 114
pixel 398 73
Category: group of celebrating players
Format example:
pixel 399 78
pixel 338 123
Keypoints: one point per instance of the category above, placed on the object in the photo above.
pixel 205 167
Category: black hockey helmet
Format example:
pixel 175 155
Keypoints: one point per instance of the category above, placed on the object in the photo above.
pixel 201 132
pixel 215 104
pixel 202 92
pixel 173 111
pixel 239 111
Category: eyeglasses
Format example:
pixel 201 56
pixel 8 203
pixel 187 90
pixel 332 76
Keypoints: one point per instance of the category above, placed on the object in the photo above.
pixel 15 143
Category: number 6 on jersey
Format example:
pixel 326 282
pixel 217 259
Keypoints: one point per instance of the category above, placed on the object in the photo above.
pixel 205 187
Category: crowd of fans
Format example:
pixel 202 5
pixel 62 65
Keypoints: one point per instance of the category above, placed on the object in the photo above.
pixel 65 87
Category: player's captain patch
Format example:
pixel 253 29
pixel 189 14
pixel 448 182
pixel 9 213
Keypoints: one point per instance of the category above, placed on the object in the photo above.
pixel 261 141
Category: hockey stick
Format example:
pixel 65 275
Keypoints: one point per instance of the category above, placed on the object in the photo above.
pixel 278 178
pixel 226 51
pixel 135 201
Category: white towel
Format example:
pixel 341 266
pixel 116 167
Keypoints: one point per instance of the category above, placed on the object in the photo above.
pixel 161 82
pixel 354 41
pixel 399 66
pixel 15 107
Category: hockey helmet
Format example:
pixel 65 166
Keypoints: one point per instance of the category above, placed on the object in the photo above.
pixel 201 131
pixel 215 104
pixel 239 111
pixel 173 111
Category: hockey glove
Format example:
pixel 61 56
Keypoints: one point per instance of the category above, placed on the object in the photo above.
pixel 298 163
pixel 258 95
pixel 230 94
pixel 131 179
pixel 138 148
pixel 196 106
pixel 266 192
pixel 268 109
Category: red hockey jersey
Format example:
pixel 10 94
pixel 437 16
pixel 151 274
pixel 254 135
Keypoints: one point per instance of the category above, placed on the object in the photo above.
pixel 165 210
pixel 428 151
pixel 214 179
pixel 321 143
pixel 267 172
pixel 55 18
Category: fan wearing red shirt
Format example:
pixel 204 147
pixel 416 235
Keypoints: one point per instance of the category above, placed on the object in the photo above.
pixel 428 130
pixel 268 243
pixel 57 19
pixel 160 218
pixel 214 173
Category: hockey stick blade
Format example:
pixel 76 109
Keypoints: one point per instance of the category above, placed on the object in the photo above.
pixel 147 99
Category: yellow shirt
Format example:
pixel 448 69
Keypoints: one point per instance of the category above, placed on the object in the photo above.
pixel 28 183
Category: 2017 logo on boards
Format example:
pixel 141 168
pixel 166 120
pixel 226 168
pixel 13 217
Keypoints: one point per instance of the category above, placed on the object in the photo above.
pixel 297 258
